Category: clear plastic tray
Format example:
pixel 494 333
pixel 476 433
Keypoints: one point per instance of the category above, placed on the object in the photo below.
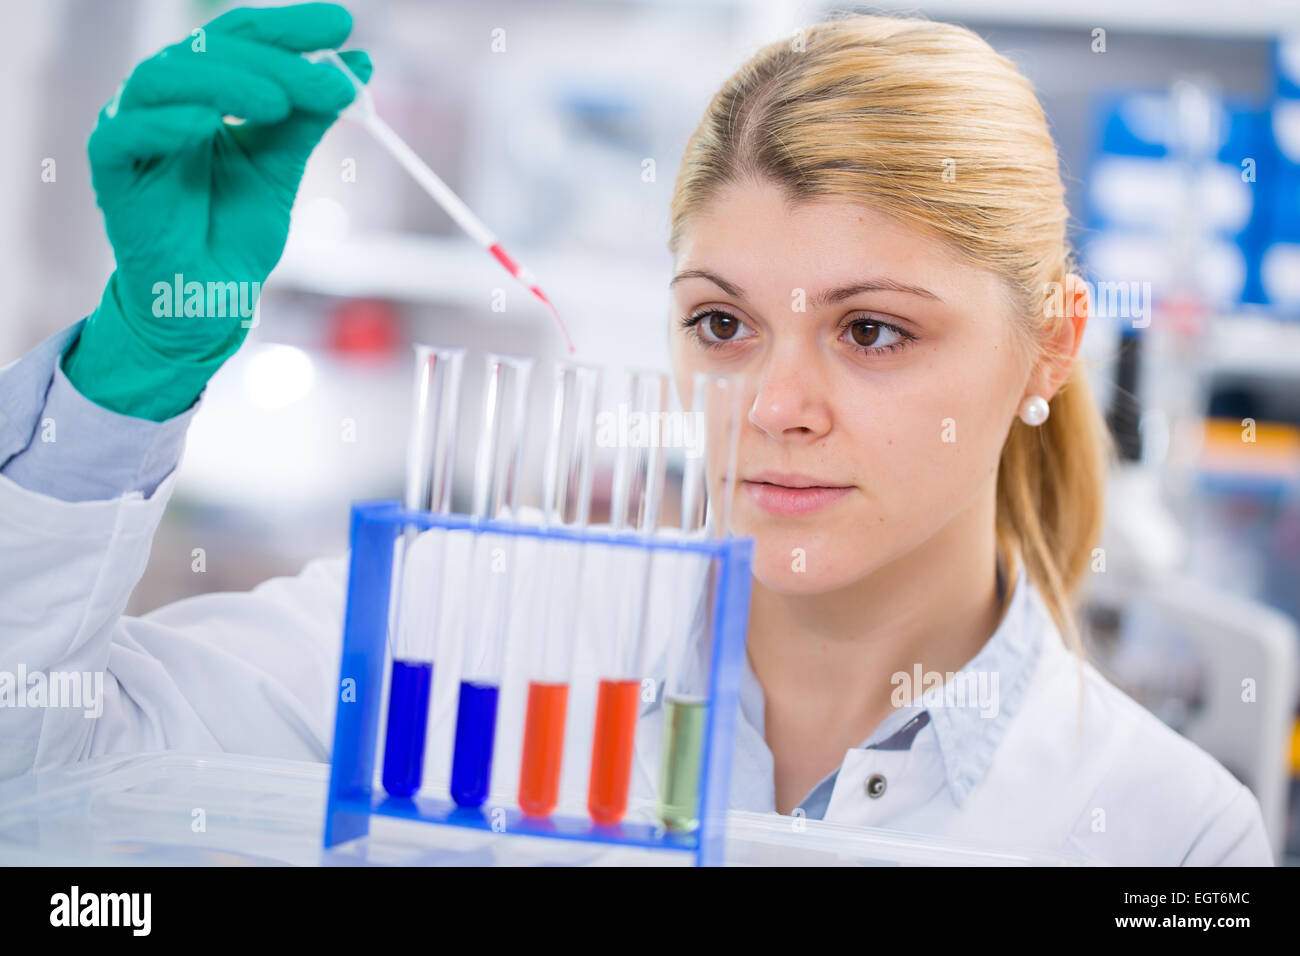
pixel 145 810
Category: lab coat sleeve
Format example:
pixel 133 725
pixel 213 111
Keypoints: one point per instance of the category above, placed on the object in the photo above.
pixel 250 673
pixel 1236 837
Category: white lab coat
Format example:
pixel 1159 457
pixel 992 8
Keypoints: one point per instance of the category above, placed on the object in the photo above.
pixel 257 673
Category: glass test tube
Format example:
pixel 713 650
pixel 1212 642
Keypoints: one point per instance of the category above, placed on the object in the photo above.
pixel 708 487
pixel 637 493
pixel 413 628
pixel 566 502
pixel 496 497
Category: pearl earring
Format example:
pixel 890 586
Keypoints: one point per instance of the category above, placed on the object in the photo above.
pixel 1034 410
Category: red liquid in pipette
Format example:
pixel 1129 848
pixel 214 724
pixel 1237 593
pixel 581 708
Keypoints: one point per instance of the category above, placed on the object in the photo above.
pixel 512 267
pixel 611 750
pixel 539 777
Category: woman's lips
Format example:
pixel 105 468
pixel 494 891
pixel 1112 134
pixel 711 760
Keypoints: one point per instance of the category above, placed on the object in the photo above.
pixel 786 500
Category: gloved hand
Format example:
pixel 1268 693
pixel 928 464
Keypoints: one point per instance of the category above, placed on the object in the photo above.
pixel 190 198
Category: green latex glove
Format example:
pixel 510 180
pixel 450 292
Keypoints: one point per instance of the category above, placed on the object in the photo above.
pixel 185 193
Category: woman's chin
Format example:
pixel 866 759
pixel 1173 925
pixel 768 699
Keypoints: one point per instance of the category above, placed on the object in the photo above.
pixel 800 574
pixel 811 554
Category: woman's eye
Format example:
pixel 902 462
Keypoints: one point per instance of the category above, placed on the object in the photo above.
pixel 715 327
pixel 872 336
pixel 868 334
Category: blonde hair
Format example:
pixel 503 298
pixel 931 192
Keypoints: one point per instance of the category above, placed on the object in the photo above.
pixel 925 121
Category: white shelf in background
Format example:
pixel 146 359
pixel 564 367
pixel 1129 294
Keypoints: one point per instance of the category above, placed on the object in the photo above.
pixel 453 270
pixel 615 307
pixel 389 265
pixel 1254 345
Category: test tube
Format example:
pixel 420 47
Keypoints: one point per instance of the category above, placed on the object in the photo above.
pixel 566 502
pixel 708 488
pixel 496 497
pixel 636 495
pixel 412 630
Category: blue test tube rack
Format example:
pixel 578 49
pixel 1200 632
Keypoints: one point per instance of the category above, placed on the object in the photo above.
pixel 353 796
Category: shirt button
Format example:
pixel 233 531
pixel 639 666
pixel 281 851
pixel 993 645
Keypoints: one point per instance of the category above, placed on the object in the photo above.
pixel 875 785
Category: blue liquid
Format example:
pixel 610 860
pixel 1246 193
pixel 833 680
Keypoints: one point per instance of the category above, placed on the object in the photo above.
pixel 471 767
pixel 408 716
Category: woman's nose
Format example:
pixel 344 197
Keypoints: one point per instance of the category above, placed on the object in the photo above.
pixel 791 399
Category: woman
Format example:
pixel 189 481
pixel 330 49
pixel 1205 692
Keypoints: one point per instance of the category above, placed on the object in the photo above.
pixel 869 223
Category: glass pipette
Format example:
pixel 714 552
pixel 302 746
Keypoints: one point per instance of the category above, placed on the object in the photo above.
pixel 363 111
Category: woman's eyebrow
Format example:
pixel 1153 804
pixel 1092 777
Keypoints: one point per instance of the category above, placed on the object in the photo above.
pixel 881 284
pixel 827 297
pixel 723 284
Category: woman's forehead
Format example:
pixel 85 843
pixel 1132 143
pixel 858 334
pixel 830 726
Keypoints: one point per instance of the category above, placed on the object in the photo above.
pixel 754 238
pixel 744 211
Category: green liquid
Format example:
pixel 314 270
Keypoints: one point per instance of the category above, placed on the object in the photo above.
pixel 679 784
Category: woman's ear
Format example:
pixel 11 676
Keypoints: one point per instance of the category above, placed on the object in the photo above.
pixel 1063 344
pixel 1078 304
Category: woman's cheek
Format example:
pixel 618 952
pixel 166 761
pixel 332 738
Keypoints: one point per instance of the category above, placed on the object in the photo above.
pixel 938 462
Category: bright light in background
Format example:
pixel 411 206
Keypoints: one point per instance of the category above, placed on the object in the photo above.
pixel 323 219
pixel 285 432
pixel 277 376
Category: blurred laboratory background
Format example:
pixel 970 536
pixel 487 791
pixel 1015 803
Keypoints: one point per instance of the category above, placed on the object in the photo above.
pixel 561 124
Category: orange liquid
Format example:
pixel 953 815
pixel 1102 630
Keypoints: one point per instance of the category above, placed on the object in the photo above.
pixel 539 777
pixel 611 750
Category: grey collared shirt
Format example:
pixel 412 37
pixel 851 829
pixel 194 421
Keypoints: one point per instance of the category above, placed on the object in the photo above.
pixel 55 441
pixel 967 739
pixel 967 735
